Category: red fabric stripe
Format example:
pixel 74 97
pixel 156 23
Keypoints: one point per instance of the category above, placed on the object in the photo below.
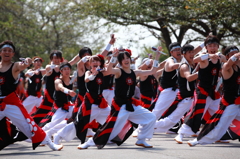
pixel 145 97
pixel 212 120
pixel 89 97
pixel 45 107
pixel 105 132
pixel 116 107
pixel 136 102
pixel 85 111
pixel 203 91
pixel 200 111
pixel 201 101
pixel 48 96
pixel 39 115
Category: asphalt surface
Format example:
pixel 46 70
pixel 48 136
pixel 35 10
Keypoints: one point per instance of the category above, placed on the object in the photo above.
pixel 164 147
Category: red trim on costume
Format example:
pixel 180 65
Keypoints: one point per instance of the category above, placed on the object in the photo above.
pixel 105 132
pixel 202 91
pixel 38 134
pixel 48 96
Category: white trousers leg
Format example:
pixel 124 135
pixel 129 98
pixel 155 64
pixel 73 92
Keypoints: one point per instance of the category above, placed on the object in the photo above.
pixel 230 113
pixel 164 101
pixel 140 116
pixel 168 122
pixel 17 118
pixel 108 95
pixel 69 131
pixel 58 117
pixel 30 102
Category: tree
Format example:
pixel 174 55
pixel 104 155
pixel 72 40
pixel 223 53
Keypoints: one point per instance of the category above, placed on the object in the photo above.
pixel 171 17
pixel 38 27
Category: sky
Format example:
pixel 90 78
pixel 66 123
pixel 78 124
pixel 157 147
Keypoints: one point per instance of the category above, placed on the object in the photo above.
pixel 135 37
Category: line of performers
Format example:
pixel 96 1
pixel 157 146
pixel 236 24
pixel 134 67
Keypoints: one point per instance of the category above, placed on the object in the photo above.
pixel 189 93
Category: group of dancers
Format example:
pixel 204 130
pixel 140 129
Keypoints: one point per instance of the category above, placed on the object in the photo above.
pixel 190 94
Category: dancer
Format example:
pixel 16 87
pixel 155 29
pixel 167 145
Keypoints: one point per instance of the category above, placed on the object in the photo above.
pixel 34 88
pixel 229 110
pixel 93 107
pixel 125 109
pixel 52 73
pixel 184 98
pixel 11 106
pixel 207 98
pixel 62 97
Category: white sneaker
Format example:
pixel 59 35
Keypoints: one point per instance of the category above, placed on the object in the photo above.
pixel 85 145
pixel 135 133
pixel 143 144
pixel 53 146
pixel 57 139
pixel 193 142
pixel 179 138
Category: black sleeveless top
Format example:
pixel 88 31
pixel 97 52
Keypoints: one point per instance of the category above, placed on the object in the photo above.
pixel 149 86
pixel 81 83
pixel 108 81
pixel 36 84
pixel 182 83
pixel 7 82
pixel 61 98
pixel 95 87
pixel 231 89
pixel 50 82
pixel 125 85
pixel 208 76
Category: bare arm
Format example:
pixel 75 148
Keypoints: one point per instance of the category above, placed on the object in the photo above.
pixel 59 87
pixel 184 72
pixel 107 49
pixel 74 60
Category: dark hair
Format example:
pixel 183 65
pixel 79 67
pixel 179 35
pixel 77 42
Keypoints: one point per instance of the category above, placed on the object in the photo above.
pixel 230 49
pixel 211 39
pixel 7 42
pixel 186 48
pixel 65 64
pixel 173 45
pixel 84 50
pixel 98 58
pixel 109 53
pixel 120 56
pixel 57 53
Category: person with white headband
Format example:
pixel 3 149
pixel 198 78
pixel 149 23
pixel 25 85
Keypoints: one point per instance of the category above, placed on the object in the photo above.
pixel 228 114
pixel 62 97
pixel 208 99
pixel 11 106
pixel 52 73
pixel 184 99
pixel 34 87
pixel 125 109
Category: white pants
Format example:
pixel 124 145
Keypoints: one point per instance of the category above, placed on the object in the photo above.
pixel 17 118
pixel 141 116
pixel 69 131
pixel 108 95
pixel 230 113
pixel 58 117
pixel 168 122
pixel 31 101
pixel 211 106
pixel 164 101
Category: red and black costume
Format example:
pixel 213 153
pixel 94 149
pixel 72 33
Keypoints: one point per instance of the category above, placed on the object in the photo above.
pixel 206 88
pixel 93 96
pixel 47 103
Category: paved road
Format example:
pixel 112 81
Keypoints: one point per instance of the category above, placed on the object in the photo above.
pixel 164 147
